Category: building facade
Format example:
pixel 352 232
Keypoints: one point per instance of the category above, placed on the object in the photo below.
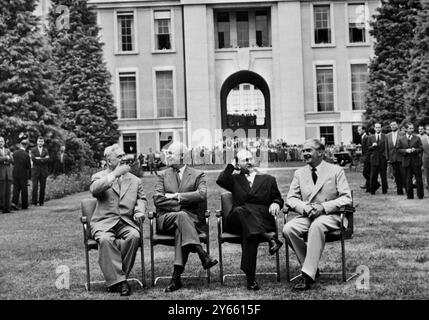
pixel 190 69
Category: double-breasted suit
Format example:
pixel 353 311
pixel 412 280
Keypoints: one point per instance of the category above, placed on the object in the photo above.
pixel 112 224
pixel 395 159
pixel 6 165
pixel 39 174
pixel 332 191
pixel 412 163
pixel 250 215
pixel 184 217
pixel 377 158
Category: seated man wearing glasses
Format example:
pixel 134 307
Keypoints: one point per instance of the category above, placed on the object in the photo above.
pixel 256 200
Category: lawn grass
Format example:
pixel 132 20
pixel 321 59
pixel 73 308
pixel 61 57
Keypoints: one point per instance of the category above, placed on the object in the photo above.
pixel 390 238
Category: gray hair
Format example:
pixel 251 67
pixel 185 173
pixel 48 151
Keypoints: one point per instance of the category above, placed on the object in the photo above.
pixel 317 143
pixel 114 148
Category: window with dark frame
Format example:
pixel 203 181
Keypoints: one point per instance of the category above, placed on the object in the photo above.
pixel 162 30
pixel 261 25
pixel 223 30
pixel 327 132
pixel 356 14
pixel 322 24
pixel 242 18
pixel 129 143
pixel 126 31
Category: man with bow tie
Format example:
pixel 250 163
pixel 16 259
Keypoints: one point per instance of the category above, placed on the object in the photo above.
pixel 180 199
pixel 316 193
pixel 121 204
pixel 410 146
pixel 256 200
pixel 378 154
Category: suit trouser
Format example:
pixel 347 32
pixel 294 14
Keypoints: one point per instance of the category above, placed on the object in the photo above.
pixel 398 173
pixel 417 172
pixel 5 194
pixel 427 177
pixel 309 254
pixel 20 187
pixel 366 172
pixel 38 179
pixel 117 249
pixel 375 171
pixel 185 232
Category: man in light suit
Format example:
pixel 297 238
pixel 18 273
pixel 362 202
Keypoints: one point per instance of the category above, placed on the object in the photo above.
pixel 425 146
pixel 378 153
pixel 410 146
pixel 39 172
pixel 180 199
pixel 121 204
pixel 317 192
pixel 6 161
pixel 394 157
pixel 256 200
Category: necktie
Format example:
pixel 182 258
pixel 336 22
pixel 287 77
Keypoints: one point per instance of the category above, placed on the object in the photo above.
pixel 249 180
pixel 119 182
pixel 378 137
pixel 178 177
pixel 314 174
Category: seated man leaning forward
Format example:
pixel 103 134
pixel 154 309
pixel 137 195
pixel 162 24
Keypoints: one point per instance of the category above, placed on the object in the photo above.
pixel 317 192
pixel 180 199
pixel 256 200
pixel 121 203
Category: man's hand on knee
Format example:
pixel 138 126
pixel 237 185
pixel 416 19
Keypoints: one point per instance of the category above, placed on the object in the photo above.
pixel 274 209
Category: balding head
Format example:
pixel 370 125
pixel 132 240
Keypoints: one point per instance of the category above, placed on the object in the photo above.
pixel 176 153
pixel 245 160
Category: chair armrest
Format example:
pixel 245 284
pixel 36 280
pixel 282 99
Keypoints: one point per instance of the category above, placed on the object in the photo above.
pixel 207 214
pixel 218 213
pixel 286 210
pixel 84 219
pixel 151 215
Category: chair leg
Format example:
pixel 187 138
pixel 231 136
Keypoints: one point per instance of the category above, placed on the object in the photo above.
pixel 142 258
pixel 220 262
pixel 343 259
pixel 287 262
pixel 278 265
pixel 208 252
pixel 152 263
pixel 88 276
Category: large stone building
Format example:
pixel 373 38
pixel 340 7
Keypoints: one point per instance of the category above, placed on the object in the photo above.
pixel 187 69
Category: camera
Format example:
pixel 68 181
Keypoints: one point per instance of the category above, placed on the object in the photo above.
pixel 128 159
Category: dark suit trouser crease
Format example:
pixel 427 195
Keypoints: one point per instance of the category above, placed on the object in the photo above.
pixel 366 172
pixel 250 226
pixel 417 172
pixel 20 187
pixel 117 251
pixel 38 180
pixel 5 194
pixel 185 232
pixel 398 173
pixel 381 170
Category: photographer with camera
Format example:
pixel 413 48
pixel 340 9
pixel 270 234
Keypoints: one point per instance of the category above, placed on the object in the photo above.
pixel 121 204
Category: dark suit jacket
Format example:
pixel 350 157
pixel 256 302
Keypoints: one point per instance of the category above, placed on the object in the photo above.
pixel 22 165
pixel 6 164
pixel 365 151
pixel 414 158
pixel 378 153
pixel 263 193
pixel 393 154
pixel 192 192
pixel 40 166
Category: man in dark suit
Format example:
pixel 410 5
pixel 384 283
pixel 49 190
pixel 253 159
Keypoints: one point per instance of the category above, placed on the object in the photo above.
pixel 425 146
pixel 394 158
pixel 366 172
pixel 410 146
pixel 180 199
pixel 6 161
pixel 39 173
pixel 21 174
pixel 378 152
pixel 256 200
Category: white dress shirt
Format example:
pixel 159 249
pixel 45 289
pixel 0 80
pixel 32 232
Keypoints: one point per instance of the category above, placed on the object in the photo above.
pixel 251 177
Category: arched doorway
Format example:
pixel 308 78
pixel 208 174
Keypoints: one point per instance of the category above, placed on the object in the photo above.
pixel 245 103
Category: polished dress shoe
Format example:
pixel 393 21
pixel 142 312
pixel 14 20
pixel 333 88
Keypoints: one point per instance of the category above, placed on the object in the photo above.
pixel 275 245
pixel 304 283
pixel 114 288
pixel 363 187
pixel 125 289
pixel 208 262
pixel 252 285
pixel 175 284
pixel 14 206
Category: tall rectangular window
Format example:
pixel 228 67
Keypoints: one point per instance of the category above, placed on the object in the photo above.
pixel 126 31
pixel 327 133
pixel 242 29
pixel 261 26
pixel 359 85
pixel 223 30
pixel 164 93
pixel 162 30
pixel 128 100
pixel 356 14
pixel 322 24
pixel 129 143
pixel 325 88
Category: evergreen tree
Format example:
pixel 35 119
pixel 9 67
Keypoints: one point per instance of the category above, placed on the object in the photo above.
pixel 83 78
pixel 27 95
pixel 418 88
pixel 393 30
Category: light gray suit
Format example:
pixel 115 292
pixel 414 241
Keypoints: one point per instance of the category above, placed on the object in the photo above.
pixel 184 217
pixel 332 191
pixel 112 224
pixel 425 146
